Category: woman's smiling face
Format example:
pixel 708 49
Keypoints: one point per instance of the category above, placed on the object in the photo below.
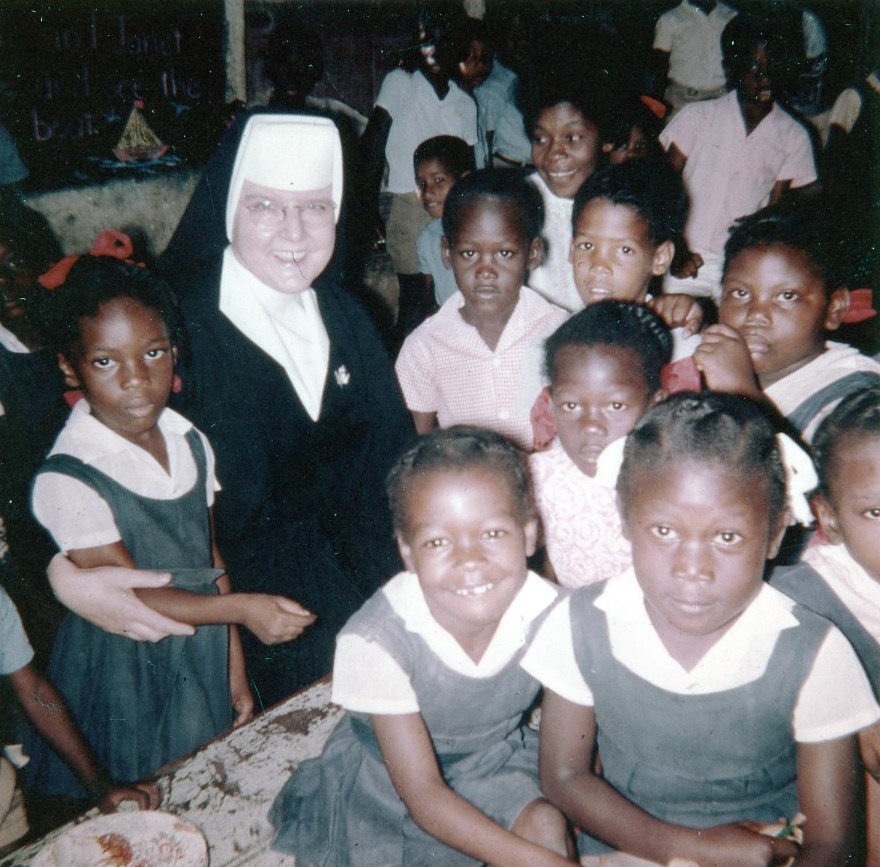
pixel 284 238
pixel 565 148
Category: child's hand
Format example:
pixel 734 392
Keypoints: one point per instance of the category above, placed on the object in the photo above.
pixel 723 359
pixel 104 596
pixel 242 697
pixel 275 619
pixel 678 311
pixel 869 748
pixel 146 795
pixel 740 846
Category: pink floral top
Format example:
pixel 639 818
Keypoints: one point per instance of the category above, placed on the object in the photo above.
pixel 581 524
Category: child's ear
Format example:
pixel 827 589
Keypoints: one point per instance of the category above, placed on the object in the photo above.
pixel 445 252
pixel 174 355
pixel 624 525
pixel 530 530
pixel 71 380
pixel 405 552
pixel 838 304
pixel 608 147
pixel 827 519
pixel 535 254
pixel 778 532
pixel 662 258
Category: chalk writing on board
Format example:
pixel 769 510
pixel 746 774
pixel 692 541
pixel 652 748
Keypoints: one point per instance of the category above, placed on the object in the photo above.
pixel 70 74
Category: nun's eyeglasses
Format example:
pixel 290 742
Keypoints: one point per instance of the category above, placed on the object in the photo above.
pixel 265 212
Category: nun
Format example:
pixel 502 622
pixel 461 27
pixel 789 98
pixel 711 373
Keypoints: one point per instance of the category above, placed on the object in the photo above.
pixel 285 373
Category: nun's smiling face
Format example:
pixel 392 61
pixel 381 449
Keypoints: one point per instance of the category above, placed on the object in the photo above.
pixel 284 238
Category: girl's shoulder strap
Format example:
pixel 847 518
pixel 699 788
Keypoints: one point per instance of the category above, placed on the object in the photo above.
pixel 68 465
pixel 809 408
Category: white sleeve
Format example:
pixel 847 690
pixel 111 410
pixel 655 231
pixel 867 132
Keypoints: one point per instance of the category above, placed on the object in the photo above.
pixel 73 513
pixel 800 165
pixel 836 699
pixel 367 679
pixel 393 91
pixel 685 128
pixel 550 658
pixel 212 485
pixel 664 33
pixel 415 371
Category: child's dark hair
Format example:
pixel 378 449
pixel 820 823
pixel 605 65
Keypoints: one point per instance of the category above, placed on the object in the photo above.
pixel 458 448
pixel 800 229
pixel 552 92
pixel 615 323
pixel 652 190
pixel 856 416
pixel 505 186
pixel 712 427
pixel 94 281
pixel 452 152
pixel 739 39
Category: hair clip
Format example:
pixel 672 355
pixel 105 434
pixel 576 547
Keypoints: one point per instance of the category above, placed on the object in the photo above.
pixel 800 479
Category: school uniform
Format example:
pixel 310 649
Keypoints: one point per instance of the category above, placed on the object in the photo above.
pixel 394 658
pixel 139 704
pixel 716 743
pixel 830 582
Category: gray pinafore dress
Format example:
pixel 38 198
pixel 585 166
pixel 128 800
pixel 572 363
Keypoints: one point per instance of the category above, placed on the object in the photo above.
pixel 140 704
pixel 696 760
pixel 341 810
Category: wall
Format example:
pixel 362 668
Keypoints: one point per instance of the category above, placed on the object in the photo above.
pixel 149 206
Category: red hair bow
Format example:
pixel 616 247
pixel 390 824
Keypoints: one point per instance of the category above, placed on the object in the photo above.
pixel 108 243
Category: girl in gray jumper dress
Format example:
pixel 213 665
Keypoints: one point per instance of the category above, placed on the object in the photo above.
pixel 433 764
pixel 718 705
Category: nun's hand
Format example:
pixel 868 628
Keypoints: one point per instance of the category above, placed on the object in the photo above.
pixel 105 596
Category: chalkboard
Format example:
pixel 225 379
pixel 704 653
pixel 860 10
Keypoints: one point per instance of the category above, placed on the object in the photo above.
pixel 71 71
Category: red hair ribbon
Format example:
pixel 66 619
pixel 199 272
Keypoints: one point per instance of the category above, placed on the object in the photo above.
pixel 860 306
pixel 657 108
pixel 108 243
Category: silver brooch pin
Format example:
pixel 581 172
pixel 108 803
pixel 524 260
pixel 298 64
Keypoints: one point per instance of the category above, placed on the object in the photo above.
pixel 342 376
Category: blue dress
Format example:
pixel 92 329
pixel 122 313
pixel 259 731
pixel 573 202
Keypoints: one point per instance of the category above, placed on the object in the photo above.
pixel 341 808
pixel 140 705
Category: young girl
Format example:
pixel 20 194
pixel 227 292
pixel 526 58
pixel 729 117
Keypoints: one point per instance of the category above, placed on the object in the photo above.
pixel 604 368
pixel 841 580
pixel 478 359
pixel 566 149
pixel 432 765
pixel 130 483
pixel 716 703
pixel 781 294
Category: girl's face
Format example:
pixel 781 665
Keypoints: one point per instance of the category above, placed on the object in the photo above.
pixel 467 541
pixel 565 148
pixel 490 257
pixel 775 300
pixel 612 254
pixel 850 513
pixel 434 181
pixel 598 395
pixel 124 363
pixel 701 534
